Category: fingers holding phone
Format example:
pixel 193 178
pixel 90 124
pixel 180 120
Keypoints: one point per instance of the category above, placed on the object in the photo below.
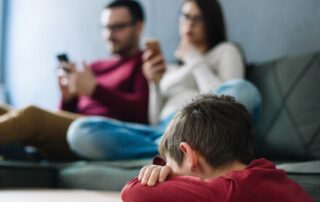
pixel 153 61
pixel 65 66
pixel 64 76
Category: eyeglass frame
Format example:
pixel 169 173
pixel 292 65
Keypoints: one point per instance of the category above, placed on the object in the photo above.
pixel 119 26
pixel 197 19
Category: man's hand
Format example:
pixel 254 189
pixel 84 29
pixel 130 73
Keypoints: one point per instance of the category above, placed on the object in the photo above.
pixel 84 81
pixel 64 80
pixel 152 174
pixel 153 66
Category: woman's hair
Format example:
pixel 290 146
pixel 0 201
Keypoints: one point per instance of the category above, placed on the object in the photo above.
pixel 213 21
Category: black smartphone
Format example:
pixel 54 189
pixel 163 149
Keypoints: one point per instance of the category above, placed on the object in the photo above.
pixel 64 58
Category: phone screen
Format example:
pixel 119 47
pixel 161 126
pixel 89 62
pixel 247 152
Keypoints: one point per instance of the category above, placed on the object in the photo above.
pixel 153 45
pixel 63 57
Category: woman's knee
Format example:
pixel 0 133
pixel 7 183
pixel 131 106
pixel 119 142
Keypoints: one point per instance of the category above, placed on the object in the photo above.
pixel 244 92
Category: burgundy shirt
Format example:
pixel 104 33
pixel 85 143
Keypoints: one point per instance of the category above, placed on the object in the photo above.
pixel 121 92
pixel 259 182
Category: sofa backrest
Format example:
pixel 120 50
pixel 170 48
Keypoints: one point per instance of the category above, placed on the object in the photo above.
pixel 289 126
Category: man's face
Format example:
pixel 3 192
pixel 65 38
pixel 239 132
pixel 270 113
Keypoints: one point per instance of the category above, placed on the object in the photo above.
pixel 119 31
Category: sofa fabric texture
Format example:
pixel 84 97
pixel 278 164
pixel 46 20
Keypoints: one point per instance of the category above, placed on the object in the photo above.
pixel 289 126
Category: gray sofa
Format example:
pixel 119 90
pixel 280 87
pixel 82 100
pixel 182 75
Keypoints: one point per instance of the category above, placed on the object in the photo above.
pixel 288 132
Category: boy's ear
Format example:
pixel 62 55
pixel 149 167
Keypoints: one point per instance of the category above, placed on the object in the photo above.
pixel 190 155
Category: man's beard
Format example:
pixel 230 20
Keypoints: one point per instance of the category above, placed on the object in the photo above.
pixel 125 49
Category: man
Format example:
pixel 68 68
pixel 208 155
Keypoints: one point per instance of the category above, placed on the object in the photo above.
pixel 208 152
pixel 114 88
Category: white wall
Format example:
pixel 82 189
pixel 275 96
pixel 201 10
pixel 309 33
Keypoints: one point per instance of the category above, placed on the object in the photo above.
pixel 38 29
pixel 2 35
pixel 1 31
pixel 268 29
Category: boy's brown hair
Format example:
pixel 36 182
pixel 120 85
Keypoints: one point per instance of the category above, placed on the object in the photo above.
pixel 217 127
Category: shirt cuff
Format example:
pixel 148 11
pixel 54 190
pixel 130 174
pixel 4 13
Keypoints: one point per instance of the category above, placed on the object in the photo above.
pixel 158 161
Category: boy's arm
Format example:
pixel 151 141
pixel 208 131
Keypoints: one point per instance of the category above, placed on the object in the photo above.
pixel 176 189
pixel 142 188
pixel 150 175
pixel 134 191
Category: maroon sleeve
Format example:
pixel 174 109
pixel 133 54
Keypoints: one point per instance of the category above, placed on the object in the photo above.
pixel 177 189
pixel 135 102
pixel 70 106
pixel 134 191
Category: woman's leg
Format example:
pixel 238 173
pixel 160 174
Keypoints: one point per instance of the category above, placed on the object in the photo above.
pixel 108 139
pixel 245 93
pixel 37 127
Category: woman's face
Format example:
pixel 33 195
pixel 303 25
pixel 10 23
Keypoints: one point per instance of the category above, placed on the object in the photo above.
pixel 191 24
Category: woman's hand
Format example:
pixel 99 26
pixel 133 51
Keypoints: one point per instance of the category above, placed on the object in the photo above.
pixel 186 50
pixel 153 66
pixel 150 175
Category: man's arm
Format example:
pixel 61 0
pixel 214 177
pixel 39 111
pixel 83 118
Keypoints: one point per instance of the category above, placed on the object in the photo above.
pixel 69 99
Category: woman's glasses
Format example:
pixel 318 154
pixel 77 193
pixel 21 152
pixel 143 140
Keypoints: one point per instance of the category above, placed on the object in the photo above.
pixel 195 19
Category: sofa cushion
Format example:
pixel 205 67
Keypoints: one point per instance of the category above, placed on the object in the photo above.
pixel 95 175
pixel 27 175
pixel 306 174
pixel 289 126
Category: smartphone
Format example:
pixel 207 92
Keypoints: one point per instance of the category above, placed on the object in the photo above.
pixel 153 45
pixel 64 58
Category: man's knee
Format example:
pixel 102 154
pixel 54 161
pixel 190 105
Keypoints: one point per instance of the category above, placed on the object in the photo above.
pixel 82 139
pixel 76 131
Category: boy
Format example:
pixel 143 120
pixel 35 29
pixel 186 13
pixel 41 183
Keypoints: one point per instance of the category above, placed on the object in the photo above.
pixel 208 152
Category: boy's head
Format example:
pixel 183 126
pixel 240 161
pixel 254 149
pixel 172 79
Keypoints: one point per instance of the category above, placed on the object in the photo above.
pixel 217 128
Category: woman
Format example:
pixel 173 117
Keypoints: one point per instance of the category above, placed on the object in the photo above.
pixel 209 65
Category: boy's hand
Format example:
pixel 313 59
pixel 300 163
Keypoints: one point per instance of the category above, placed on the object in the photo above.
pixel 152 174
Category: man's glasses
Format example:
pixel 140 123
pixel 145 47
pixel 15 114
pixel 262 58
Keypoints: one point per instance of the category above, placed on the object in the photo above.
pixel 118 26
pixel 196 19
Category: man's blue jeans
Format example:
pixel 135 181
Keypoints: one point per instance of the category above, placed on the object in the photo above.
pixel 108 139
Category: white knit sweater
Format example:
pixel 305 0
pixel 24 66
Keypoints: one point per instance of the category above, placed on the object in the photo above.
pixel 201 73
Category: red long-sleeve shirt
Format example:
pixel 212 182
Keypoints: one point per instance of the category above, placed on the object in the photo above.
pixel 121 92
pixel 259 182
